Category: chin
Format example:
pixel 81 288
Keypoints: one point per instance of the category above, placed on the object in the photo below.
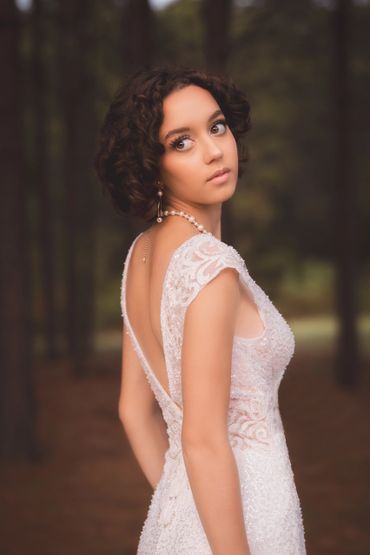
pixel 231 187
pixel 226 194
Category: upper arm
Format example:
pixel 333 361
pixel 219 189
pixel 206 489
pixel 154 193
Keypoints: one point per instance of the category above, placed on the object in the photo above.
pixel 136 395
pixel 206 357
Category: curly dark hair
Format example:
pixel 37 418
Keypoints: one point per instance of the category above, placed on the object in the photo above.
pixel 128 151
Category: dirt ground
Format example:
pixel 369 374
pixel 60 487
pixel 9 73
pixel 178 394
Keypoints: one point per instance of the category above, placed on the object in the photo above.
pixel 87 495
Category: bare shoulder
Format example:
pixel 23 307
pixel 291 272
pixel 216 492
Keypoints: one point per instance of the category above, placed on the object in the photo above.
pixel 164 239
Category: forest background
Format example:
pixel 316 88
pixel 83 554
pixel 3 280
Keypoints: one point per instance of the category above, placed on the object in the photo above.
pixel 299 219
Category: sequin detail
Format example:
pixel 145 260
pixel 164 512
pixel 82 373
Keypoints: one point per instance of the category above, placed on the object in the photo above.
pixel 271 506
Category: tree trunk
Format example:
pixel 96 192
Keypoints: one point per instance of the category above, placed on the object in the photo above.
pixel 138 43
pixel 216 17
pixel 41 185
pixel 344 201
pixel 17 402
pixel 76 50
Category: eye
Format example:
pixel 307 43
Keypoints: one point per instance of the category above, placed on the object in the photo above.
pixel 177 144
pixel 220 124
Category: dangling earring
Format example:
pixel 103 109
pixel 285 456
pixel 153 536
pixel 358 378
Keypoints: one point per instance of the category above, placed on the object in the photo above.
pixel 159 205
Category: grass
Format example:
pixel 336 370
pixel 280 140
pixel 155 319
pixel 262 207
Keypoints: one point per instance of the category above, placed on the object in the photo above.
pixel 319 332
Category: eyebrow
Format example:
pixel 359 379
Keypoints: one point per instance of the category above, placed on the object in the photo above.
pixel 182 129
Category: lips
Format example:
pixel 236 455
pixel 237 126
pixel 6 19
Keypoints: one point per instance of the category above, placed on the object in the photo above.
pixel 218 172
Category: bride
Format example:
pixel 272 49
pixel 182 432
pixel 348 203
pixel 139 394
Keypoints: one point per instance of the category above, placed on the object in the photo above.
pixel 203 347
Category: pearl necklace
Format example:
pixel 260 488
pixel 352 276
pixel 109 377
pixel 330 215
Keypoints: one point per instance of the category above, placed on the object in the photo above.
pixel 185 215
pixel 188 217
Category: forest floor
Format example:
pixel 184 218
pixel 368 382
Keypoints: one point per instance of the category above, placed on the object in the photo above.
pixel 87 495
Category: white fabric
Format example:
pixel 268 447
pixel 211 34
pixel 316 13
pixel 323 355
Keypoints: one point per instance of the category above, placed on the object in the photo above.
pixel 272 512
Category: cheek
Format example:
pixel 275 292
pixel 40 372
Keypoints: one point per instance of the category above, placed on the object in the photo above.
pixel 167 164
pixel 178 166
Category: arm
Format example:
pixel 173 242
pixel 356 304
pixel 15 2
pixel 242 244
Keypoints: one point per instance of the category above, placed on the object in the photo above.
pixel 141 416
pixel 210 463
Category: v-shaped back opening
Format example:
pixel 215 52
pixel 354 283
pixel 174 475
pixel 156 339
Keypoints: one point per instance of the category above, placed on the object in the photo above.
pixel 148 369
pixel 147 366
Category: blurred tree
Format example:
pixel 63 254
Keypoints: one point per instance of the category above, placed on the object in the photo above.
pixel 17 402
pixel 175 43
pixel 280 54
pixel 285 198
pixel 77 99
pixel 138 35
pixel 138 45
pixel 40 177
pixel 344 202
pixel 216 17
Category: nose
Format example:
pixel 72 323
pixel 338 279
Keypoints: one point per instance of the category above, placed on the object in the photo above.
pixel 211 149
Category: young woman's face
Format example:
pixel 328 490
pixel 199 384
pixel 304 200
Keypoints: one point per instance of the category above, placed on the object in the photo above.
pixel 192 155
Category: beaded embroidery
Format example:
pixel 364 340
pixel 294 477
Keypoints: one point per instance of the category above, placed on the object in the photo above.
pixel 272 510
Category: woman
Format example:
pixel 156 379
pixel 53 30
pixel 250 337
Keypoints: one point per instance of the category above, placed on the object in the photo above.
pixel 204 349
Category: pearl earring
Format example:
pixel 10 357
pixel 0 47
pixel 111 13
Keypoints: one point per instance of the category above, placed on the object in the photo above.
pixel 159 205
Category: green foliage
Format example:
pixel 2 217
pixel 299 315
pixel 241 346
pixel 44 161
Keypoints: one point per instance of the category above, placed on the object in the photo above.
pixel 179 34
pixel 283 59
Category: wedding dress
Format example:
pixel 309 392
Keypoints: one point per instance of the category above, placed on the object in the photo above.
pixel 271 507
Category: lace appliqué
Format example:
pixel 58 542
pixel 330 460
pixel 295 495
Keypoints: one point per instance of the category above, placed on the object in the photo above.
pixel 192 265
pixel 192 268
pixel 248 422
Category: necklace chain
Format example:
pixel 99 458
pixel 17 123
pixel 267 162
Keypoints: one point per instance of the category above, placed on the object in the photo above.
pixel 188 217
pixel 183 214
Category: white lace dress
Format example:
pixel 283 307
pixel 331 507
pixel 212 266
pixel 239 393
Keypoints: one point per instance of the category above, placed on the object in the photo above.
pixel 271 506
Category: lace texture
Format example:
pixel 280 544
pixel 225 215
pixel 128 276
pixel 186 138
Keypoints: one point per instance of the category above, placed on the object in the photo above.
pixel 272 511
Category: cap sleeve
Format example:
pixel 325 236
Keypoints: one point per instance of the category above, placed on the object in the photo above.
pixel 201 262
pixel 194 264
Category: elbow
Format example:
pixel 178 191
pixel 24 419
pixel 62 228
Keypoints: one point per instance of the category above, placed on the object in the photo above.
pixel 126 410
pixel 122 413
pixel 129 413
pixel 211 442
pixel 126 419
pixel 121 416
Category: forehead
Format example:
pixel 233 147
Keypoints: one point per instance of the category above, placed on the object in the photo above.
pixel 187 106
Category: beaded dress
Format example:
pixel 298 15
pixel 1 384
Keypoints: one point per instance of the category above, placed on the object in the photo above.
pixel 271 507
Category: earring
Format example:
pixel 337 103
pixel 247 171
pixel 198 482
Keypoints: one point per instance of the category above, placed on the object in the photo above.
pixel 159 205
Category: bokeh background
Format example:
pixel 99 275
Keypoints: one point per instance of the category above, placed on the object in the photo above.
pixel 69 483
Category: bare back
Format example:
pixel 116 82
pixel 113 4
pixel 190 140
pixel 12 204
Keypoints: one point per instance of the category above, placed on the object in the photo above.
pixel 144 289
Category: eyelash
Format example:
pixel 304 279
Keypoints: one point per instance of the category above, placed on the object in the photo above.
pixel 175 142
